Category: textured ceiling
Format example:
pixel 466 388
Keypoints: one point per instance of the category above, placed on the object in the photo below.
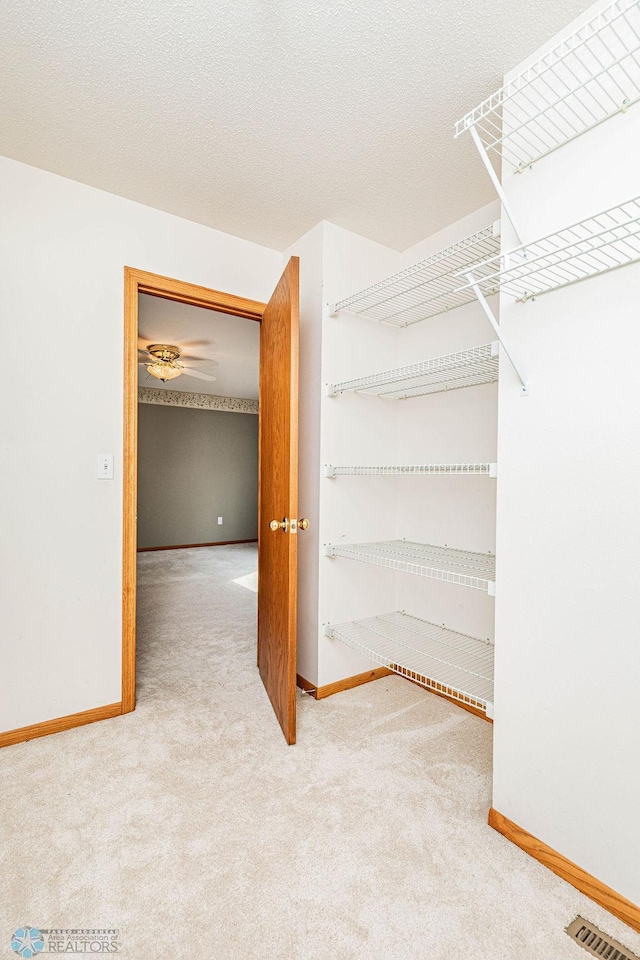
pixel 262 117
pixel 229 347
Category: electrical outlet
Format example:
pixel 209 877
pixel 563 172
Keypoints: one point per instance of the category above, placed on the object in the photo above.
pixel 219 521
pixel 104 466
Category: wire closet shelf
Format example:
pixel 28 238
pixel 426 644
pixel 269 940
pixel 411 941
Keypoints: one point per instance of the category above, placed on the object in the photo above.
pixel 414 470
pixel 462 567
pixel 426 289
pixel 467 368
pixel 440 659
pixel 601 243
pixel 587 78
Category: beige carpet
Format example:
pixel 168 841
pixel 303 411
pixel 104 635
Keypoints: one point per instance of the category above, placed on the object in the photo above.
pixel 192 828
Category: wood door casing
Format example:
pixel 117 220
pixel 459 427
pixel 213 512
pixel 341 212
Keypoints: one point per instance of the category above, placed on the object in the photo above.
pixel 155 285
pixel 278 497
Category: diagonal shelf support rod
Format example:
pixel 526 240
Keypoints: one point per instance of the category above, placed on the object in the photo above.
pixel 495 180
pixel 488 312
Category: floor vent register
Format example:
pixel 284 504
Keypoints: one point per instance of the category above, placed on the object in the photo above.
pixel 597 943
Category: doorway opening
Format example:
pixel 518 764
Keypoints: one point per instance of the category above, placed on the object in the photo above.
pixel 197 426
pixel 277 458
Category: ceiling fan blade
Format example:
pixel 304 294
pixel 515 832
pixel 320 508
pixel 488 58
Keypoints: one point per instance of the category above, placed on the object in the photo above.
pixel 188 372
pixel 188 356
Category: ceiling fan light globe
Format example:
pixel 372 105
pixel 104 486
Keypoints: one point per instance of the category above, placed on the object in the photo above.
pixel 165 370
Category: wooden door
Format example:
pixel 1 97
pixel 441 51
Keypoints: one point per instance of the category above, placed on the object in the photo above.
pixel 278 498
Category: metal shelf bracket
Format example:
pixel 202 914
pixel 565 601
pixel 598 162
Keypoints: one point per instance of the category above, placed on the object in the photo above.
pixel 495 180
pixel 525 389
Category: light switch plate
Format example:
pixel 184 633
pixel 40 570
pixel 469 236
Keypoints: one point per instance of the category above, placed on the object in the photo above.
pixel 104 466
pixel 219 521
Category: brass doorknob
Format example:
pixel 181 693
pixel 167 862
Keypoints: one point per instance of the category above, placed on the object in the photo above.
pixel 303 524
pixel 279 525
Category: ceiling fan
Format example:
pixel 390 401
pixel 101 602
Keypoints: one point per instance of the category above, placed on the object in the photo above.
pixel 164 362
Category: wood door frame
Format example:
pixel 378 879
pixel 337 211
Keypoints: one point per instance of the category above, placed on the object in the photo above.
pixel 137 282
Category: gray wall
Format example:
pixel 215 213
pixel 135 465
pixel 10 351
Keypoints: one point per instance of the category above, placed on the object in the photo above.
pixel 193 467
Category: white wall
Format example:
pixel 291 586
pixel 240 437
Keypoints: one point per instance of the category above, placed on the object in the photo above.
pixel 567 721
pixel 63 247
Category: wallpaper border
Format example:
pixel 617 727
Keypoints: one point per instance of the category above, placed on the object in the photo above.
pixel 199 401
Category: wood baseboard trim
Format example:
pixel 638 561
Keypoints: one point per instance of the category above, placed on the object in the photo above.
pixel 458 703
pixel 20 734
pixel 377 674
pixel 350 682
pixel 347 684
pixel 603 895
pixel 305 685
pixel 189 546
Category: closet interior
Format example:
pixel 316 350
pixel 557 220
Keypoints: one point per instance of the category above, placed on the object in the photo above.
pixel 412 445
